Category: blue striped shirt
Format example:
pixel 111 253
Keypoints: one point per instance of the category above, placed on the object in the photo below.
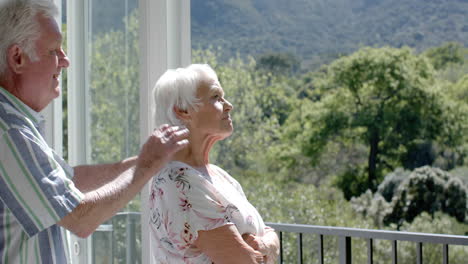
pixel 35 188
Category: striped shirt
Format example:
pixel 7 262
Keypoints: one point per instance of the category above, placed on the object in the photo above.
pixel 35 188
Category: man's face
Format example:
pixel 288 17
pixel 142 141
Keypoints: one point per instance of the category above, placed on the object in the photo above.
pixel 40 78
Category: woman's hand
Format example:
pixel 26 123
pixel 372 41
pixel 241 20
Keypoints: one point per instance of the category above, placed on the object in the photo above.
pixel 268 244
pixel 255 242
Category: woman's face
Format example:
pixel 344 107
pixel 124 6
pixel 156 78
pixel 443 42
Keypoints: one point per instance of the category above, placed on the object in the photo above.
pixel 212 117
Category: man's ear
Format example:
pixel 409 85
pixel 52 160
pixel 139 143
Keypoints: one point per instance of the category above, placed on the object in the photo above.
pixel 16 58
pixel 182 114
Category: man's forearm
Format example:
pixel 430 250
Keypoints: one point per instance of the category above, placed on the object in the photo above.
pixel 110 187
pixel 103 202
pixel 91 177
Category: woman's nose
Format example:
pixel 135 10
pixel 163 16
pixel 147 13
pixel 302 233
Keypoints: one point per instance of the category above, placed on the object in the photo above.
pixel 227 106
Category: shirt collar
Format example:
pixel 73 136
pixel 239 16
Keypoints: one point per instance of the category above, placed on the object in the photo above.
pixel 16 103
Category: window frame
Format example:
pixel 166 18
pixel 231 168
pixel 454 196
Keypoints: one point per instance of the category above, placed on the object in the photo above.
pixel 165 42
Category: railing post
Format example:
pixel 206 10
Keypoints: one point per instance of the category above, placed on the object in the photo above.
pixel 344 249
pixel 281 247
pixel 370 251
pixel 394 252
pixel 299 245
pixel 321 257
pixel 419 253
pixel 445 254
pixel 131 238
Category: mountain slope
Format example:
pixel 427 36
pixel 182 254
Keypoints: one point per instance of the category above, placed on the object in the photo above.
pixel 315 30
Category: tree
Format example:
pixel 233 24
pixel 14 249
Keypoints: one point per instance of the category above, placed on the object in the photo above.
pixel 442 56
pixel 404 195
pixel 114 93
pixel 383 98
pixel 460 89
pixel 278 63
pixel 428 190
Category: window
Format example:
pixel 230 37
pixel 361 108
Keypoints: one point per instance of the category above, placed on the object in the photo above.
pixel 103 112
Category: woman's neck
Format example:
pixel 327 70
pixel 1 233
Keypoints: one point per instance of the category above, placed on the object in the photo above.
pixel 196 154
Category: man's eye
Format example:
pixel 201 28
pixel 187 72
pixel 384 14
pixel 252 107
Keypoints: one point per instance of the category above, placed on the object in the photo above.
pixel 53 52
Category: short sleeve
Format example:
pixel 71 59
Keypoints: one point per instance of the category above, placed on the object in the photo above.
pixel 33 183
pixel 231 180
pixel 184 202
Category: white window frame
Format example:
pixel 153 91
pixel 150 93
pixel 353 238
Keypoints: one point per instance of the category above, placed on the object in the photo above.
pixel 53 112
pixel 165 42
pixel 78 106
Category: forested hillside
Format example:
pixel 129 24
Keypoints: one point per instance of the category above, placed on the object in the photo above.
pixel 317 31
pixel 320 30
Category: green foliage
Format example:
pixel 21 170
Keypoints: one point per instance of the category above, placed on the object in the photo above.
pixel 419 153
pixel 114 113
pixel 449 53
pixel 460 89
pixel 320 31
pixel 403 196
pixel 388 187
pixel 352 182
pixel 381 98
pixel 438 223
pixel 317 31
pixel 114 94
pixel 461 173
pixel 278 63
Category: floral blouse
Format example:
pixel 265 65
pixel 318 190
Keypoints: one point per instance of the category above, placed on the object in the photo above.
pixel 184 201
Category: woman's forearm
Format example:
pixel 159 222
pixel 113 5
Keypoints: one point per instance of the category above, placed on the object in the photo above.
pixel 224 245
pixel 271 241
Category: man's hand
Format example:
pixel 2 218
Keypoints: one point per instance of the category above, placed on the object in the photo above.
pixel 160 147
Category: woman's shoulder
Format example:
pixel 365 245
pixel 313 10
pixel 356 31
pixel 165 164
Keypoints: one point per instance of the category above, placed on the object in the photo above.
pixel 179 172
pixel 219 169
pixel 175 169
pixel 225 174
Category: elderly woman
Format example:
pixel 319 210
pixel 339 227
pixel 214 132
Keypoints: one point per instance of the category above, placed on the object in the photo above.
pixel 199 213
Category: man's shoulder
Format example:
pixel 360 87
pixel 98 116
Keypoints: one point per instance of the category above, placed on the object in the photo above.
pixel 10 118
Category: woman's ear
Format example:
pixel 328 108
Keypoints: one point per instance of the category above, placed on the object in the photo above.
pixel 181 114
pixel 16 58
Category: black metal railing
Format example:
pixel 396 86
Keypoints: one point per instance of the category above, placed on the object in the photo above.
pixel 344 236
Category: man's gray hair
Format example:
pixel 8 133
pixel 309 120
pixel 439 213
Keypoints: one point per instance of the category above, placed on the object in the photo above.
pixel 19 25
pixel 179 88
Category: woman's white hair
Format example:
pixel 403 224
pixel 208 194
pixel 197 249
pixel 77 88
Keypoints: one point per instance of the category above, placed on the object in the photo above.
pixel 178 88
pixel 19 25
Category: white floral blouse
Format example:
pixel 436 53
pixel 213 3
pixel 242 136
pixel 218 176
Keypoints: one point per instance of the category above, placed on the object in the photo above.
pixel 184 201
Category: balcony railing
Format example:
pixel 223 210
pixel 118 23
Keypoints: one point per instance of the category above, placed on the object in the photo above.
pixel 342 234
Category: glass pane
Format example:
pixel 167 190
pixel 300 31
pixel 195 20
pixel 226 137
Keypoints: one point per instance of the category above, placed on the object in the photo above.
pixel 114 116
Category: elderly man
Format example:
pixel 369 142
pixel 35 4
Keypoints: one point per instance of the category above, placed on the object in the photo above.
pixel 39 191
